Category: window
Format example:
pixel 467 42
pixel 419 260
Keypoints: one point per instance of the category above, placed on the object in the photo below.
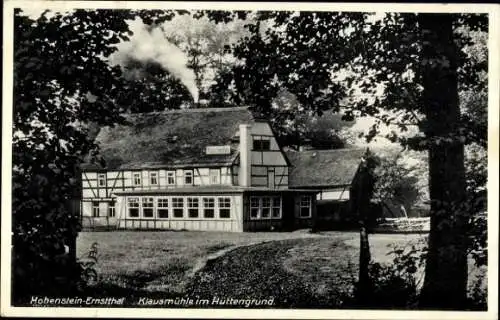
pixel 265 207
pixel 193 207
pixel 147 207
pixel 171 178
pixel 188 177
pixel 214 176
pixel 254 207
pixel 133 207
pixel 137 179
pixel 162 211
pixel 178 205
pixel 101 179
pixel 261 145
pixel 153 178
pixel 224 208
pixel 111 210
pixel 95 208
pixel 276 210
pixel 305 206
pixel 208 207
pixel 265 212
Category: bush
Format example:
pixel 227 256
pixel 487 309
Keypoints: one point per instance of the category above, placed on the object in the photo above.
pixel 394 285
pixel 478 296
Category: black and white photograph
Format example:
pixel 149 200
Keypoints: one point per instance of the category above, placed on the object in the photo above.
pixel 189 159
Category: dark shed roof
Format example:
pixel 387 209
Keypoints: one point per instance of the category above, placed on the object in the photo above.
pixel 171 138
pixel 323 168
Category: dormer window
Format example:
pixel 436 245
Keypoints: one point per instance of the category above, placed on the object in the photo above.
pixel 171 178
pixel 261 145
pixel 153 178
pixel 188 177
pixel 137 178
pixel 214 176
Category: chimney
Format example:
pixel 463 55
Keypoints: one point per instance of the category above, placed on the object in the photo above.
pixel 245 156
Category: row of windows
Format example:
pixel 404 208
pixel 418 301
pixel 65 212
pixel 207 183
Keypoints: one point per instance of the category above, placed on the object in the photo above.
pixel 179 207
pixel 260 207
pixel 270 207
pixel 265 207
pixel 214 175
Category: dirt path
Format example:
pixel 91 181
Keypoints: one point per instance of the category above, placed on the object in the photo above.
pixel 258 272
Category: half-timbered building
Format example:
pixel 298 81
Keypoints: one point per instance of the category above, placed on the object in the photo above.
pixel 334 174
pixel 198 169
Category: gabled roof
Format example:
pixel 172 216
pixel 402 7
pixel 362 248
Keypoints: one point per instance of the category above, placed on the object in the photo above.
pixel 323 168
pixel 171 138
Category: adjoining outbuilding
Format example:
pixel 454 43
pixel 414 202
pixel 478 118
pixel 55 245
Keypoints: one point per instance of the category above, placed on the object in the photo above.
pixel 218 169
pixel 334 174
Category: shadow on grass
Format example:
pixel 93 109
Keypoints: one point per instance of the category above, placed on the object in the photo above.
pixel 256 272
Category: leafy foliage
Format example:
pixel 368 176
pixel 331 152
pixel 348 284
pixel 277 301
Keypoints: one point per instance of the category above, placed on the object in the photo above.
pixel 476 204
pixel 396 183
pixel 148 87
pixel 405 70
pixel 62 81
pixel 478 298
pixel 394 285
pixel 206 45
pixel 296 127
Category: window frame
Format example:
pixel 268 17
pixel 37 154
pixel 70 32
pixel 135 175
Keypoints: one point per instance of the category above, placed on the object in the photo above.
pixel 148 207
pixel 155 174
pixel 262 207
pixel 101 177
pixel 135 181
pixel 273 206
pixel 96 209
pixel 261 144
pixel 190 204
pixel 162 207
pixel 257 203
pixel 170 174
pixel 217 175
pixel 221 205
pixel 309 206
pixel 190 174
pixel 175 205
pixel 112 209
pixel 135 200
pixel 205 201
pixel 255 207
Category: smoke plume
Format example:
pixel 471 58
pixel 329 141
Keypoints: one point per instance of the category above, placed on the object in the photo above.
pixel 151 45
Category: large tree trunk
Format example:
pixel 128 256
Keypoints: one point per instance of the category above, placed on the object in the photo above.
pixel 445 284
pixel 363 192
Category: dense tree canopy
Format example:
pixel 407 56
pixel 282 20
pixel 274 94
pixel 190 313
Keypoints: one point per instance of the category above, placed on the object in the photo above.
pixel 147 86
pixel 62 80
pixel 403 69
pixel 418 71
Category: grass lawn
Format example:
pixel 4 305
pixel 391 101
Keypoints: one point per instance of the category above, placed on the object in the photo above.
pixel 162 261
pixel 298 269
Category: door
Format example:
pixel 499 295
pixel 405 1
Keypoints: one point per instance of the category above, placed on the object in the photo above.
pixel 270 178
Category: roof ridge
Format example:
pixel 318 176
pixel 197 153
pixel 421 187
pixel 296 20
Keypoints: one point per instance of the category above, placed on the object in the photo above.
pixel 191 110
